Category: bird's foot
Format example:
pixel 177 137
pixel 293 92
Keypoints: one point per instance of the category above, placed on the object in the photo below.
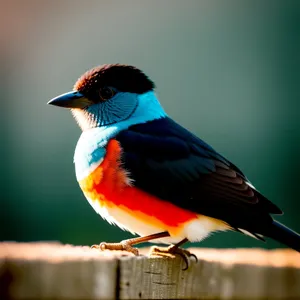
pixel 126 245
pixel 122 246
pixel 171 252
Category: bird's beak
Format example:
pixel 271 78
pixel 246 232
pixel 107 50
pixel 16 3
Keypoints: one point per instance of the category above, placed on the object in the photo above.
pixel 72 99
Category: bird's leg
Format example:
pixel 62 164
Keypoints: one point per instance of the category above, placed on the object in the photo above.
pixel 172 250
pixel 126 245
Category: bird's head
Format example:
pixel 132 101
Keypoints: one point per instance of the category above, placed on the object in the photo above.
pixel 108 94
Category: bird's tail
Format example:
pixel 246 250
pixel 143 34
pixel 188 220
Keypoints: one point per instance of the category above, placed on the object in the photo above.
pixel 284 235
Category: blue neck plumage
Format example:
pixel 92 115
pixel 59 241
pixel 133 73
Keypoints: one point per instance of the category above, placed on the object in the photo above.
pixel 102 123
pixel 148 109
pixel 124 110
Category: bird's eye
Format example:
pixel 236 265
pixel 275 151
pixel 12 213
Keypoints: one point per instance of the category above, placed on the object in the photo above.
pixel 106 93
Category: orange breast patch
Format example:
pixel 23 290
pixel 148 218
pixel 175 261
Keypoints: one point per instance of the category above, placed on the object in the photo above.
pixel 109 184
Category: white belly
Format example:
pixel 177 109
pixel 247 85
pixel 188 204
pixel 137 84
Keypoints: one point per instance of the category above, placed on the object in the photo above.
pixel 194 230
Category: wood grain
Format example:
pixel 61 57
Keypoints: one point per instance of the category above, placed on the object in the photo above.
pixel 55 271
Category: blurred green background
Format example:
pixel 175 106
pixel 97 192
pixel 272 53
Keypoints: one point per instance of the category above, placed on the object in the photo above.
pixel 226 70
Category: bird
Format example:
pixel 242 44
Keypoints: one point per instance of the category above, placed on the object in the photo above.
pixel 144 172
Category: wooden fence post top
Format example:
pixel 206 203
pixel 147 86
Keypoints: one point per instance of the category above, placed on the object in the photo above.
pixel 52 270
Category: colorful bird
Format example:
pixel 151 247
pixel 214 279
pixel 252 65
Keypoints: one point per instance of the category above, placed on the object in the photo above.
pixel 142 171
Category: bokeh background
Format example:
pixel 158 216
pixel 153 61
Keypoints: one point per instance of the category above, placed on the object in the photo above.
pixel 226 70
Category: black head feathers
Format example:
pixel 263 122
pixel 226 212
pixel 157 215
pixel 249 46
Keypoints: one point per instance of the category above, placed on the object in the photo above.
pixel 124 78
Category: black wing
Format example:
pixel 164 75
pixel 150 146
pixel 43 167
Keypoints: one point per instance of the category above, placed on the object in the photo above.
pixel 166 160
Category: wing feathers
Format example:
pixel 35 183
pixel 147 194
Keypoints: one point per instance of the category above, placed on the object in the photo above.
pixel 226 172
pixel 169 162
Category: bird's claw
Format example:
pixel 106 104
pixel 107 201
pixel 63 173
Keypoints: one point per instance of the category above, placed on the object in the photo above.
pixel 122 246
pixel 171 252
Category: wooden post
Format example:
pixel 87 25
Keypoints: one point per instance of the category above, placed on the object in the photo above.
pixel 55 271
